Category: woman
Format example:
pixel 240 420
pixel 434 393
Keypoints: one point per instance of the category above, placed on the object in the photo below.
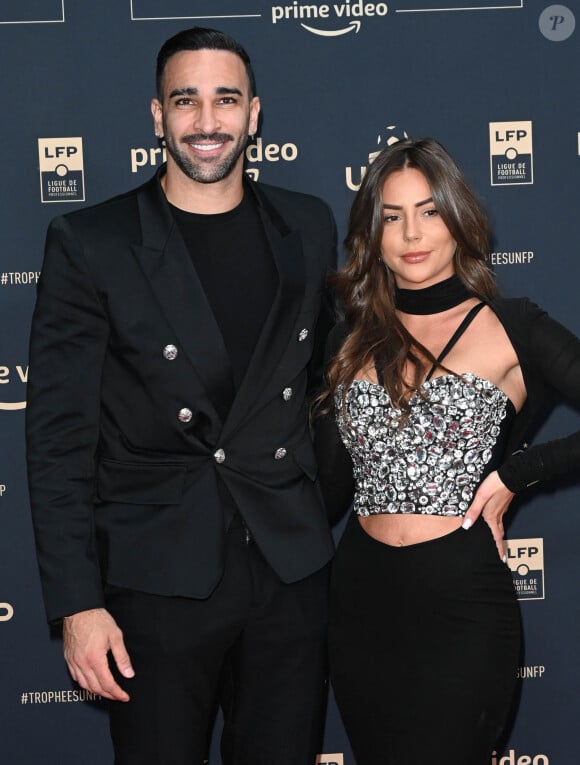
pixel 433 384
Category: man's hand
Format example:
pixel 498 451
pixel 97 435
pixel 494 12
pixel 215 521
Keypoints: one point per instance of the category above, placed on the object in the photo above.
pixel 88 637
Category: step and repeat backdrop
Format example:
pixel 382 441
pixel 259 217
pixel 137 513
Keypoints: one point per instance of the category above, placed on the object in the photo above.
pixel 496 81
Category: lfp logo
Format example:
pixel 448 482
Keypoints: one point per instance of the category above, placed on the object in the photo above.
pixel 525 558
pixel 330 759
pixel 511 153
pixel 61 169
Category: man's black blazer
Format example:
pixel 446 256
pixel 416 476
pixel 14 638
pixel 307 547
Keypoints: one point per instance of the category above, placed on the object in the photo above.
pixel 124 441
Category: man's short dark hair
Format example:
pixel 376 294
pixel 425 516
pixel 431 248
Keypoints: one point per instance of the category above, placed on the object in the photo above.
pixel 201 38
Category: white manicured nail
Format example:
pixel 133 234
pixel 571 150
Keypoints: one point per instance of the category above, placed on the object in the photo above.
pixel 467 524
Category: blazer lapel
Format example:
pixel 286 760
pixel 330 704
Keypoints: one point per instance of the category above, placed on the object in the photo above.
pixel 286 246
pixel 166 263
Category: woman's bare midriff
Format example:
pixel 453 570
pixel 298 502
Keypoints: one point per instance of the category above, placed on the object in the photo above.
pixel 403 530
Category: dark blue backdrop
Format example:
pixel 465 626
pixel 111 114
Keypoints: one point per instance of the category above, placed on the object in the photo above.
pixel 497 83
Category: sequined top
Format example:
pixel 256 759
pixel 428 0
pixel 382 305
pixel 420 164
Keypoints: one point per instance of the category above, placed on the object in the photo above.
pixel 549 356
pixel 433 463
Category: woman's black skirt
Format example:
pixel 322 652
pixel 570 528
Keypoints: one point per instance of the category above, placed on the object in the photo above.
pixel 424 647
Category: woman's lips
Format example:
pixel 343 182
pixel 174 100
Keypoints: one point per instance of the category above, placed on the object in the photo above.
pixel 415 257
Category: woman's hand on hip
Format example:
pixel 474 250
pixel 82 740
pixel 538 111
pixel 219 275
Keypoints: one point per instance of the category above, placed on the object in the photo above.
pixel 491 500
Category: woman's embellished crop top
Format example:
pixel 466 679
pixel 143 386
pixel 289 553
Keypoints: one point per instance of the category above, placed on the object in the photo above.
pixel 549 356
pixel 432 462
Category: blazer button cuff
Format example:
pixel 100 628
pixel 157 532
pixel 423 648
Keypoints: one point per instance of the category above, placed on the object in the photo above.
pixel 302 335
pixel 279 454
pixel 287 394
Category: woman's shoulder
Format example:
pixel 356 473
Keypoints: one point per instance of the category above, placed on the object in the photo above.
pixel 518 315
pixel 516 307
pixel 536 335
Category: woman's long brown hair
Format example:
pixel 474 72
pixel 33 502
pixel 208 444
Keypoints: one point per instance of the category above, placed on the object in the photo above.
pixel 366 287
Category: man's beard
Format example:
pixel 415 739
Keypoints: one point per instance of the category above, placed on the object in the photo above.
pixel 210 170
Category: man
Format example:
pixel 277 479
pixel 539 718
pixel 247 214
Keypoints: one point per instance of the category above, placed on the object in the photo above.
pixel 180 532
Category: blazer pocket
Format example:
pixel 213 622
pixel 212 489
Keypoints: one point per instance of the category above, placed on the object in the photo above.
pixel 140 484
pixel 305 458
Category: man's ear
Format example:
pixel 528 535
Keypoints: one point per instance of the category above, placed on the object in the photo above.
pixel 157 112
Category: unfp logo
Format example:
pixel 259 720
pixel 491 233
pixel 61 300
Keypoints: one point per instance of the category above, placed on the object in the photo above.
pixel 511 153
pixel 391 134
pixel 61 167
pixel 525 558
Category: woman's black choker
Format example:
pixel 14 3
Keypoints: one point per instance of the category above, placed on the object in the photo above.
pixel 434 299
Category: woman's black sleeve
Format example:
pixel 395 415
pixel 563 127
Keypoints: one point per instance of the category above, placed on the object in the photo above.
pixel 334 467
pixel 554 354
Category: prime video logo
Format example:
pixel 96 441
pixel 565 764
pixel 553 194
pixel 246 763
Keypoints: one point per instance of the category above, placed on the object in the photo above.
pixel 511 758
pixel 313 18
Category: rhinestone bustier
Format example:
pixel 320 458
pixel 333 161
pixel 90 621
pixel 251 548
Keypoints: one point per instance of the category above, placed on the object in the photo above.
pixel 434 461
